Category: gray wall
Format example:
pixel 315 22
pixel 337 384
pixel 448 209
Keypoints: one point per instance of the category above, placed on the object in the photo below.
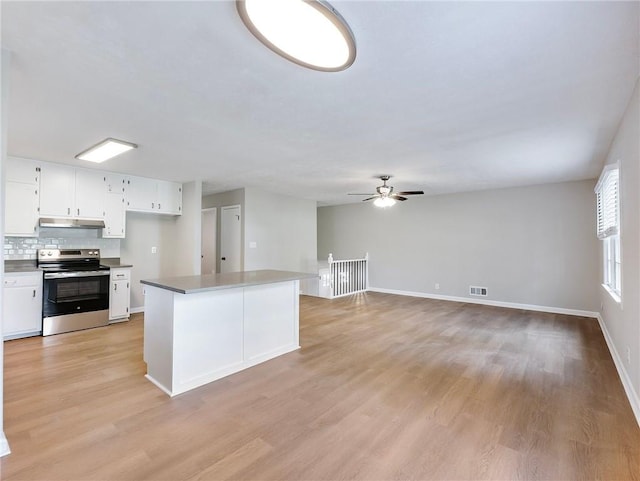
pixel 529 245
pixel 622 321
pixel 283 229
pixel 145 231
pixel 232 197
pixel 186 232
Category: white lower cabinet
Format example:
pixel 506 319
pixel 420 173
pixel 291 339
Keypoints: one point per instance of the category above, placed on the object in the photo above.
pixel 22 306
pixel 119 295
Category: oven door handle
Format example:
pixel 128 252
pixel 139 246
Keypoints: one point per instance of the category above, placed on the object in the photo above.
pixel 64 275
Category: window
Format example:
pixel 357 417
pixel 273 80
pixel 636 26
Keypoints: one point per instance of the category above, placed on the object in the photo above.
pixel 608 230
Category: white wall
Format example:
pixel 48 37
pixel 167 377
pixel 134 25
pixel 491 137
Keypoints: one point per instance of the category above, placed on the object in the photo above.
pixel 283 229
pixel 4 100
pixel 621 322
pixel 186 232
pixel 232 197
pixel 529 245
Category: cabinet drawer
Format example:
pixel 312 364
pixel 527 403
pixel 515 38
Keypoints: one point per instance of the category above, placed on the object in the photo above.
pixel 120 274
pixel 22 280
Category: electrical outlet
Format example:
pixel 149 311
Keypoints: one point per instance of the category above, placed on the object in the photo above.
pixel 154 250
pixel 437 286
pixel 628 355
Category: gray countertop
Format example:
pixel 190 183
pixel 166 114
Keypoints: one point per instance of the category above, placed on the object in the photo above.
pixel 32 266
pixel 113 262
pixel 212 282
pixel 21 266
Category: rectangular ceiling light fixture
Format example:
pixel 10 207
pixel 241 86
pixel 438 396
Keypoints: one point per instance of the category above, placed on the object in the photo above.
pixel 105 150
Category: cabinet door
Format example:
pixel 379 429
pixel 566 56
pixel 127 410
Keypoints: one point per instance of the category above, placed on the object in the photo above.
pixel 115 182
pixel 57 190
pixel 90 187
pixel 114 215
pixel 169 197
pixel 141 194
pixel 25 171
pixel 21 209
pixel 22 308
pixel 119 299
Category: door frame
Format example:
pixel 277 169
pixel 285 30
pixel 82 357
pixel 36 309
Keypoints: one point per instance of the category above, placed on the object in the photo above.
pixel 215 238
pixel 240 243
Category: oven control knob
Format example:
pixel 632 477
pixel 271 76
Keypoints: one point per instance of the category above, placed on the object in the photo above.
pixel 49 253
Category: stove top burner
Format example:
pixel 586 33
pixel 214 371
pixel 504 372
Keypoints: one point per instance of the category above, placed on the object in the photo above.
pixel 70 260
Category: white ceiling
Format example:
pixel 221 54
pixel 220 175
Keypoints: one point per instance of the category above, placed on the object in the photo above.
pixel 446 97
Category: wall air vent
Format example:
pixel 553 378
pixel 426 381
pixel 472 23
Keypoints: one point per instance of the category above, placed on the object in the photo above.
pixel 477 291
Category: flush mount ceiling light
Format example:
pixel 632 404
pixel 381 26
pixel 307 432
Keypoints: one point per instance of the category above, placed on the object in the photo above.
pixel 105 150
pixel 310 33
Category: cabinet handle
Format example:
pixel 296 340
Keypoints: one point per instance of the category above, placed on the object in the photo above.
pixel 153 205
pixel 115 287
pixel 34 293
pixel 68 210
pixel 159 207
pixel 78 211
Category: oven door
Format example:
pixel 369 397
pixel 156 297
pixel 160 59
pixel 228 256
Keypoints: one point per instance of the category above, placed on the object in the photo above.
pixel 75 292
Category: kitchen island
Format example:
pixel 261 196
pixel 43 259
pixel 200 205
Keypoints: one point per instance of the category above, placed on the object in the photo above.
pixel 201 328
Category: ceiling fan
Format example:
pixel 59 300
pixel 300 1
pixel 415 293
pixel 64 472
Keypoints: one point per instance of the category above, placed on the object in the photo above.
pixel 385 196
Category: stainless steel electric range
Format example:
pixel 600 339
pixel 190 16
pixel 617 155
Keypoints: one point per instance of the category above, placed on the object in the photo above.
pixel 75 290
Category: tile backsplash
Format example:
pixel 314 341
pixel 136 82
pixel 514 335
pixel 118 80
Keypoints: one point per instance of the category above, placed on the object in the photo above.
pixel 18 248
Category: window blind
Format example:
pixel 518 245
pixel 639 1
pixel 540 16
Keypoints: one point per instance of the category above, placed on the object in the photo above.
pixel 608 204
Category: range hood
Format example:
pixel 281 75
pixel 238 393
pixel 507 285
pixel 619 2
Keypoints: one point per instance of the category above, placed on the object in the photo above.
pixel 71 223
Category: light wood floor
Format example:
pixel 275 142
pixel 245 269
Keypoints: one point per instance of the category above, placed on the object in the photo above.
pixel 384 387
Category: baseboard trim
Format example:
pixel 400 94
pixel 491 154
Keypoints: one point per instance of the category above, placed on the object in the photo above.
pixel 469 300
pixel 4 445
pixel 634 400
pixel 136 310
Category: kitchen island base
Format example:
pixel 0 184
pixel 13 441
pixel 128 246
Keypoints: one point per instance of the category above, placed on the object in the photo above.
pixel 191 339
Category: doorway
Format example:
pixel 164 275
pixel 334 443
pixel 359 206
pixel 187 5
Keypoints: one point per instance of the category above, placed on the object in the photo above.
pixel 230 239
pixel 208 247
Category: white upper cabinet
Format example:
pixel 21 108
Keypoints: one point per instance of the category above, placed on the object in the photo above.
pixel 114 206
pixel 90 194
pixel 169 197
pixel 25 171
pixel 140 194
pixel 150 195
pixel 22 194
pixel 57 190
pixel 69 192
pixel 36 189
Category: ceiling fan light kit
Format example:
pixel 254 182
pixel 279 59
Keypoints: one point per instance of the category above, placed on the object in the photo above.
pixel 385 196
pixel 310 33
pixel 384 202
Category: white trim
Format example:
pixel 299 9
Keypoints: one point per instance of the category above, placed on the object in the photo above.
pixel 509 305
pixel 634 400
pixel 4 445
pixel 614 295
pixel 135 310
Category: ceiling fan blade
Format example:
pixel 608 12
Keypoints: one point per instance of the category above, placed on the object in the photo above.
pixel 397 197
pixel 411 192
pixel 361 194
pixel 370 198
